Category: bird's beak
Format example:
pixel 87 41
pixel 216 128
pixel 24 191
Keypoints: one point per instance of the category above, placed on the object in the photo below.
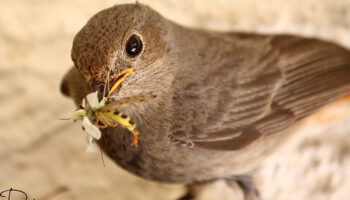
pixel 119 78
pixel 104 89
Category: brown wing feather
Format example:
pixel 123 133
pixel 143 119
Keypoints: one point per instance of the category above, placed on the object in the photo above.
pixel 293 79
pixel 74 86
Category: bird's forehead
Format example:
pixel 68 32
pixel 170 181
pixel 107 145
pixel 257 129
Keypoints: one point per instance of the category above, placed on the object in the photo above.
pixel 119 18
pixel 115 22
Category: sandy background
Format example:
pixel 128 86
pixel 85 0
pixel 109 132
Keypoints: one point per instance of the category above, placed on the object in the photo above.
pixel 46 157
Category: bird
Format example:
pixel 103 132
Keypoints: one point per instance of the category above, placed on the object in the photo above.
pixel 224 100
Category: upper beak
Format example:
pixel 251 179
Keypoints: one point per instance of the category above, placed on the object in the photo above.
pixel 105 89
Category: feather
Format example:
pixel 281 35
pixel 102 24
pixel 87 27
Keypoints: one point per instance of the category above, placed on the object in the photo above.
pixel 292 79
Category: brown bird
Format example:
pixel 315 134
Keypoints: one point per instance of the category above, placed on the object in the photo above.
pixel 224 99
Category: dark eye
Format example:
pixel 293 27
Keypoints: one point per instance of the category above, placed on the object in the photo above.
pixel 134 46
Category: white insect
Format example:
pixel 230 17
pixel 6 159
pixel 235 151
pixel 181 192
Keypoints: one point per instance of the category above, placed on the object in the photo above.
pixel 91 130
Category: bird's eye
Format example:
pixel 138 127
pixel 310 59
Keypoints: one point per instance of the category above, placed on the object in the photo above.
pixel 134 46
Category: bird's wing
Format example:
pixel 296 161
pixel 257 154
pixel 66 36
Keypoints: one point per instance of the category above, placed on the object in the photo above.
pixel 73 85
pixel 294 78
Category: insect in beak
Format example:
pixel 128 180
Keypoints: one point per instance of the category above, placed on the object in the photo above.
pixel 97 113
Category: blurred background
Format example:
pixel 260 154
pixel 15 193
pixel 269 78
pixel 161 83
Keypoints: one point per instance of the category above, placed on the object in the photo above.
pixel 45 156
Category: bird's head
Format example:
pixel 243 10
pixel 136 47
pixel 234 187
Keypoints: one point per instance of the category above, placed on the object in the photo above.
pixel 120 40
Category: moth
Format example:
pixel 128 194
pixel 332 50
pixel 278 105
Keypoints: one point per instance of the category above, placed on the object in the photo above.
pixel 98 115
